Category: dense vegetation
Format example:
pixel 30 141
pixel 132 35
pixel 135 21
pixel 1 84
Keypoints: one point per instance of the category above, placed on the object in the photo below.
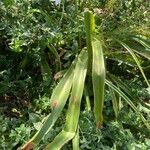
pixel 89 50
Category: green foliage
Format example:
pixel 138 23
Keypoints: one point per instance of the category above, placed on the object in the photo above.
pixel 13 132
pixel 112 136
pixel 39 41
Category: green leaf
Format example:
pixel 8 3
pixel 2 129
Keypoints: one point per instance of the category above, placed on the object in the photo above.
pixel 115 102
pixel 73 112
pixel 75 140
pixel 77 92
pixel 55 53
pixel 87 98
pixel 136 60
pixel 123 86
pixel 58 101
pixel 131 104
pixel 62 138
pixel 98 79
pixel 89 21
pixel 45 69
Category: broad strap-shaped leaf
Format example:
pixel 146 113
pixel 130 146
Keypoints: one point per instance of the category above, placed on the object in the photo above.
pixel 73 112
pixel 77 92
pixel 62 138
pixel 58 100
pixel 131 104
pixel 98 79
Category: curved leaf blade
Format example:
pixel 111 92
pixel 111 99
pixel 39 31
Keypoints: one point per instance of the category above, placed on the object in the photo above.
pixel 127 99
pixel 136 60
pixel 73 112
pixel 58 101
